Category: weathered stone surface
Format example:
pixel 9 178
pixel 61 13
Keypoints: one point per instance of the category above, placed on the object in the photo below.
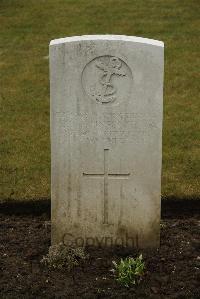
pixel 106 140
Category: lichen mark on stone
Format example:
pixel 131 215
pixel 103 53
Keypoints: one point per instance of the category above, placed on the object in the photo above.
pixel 108 90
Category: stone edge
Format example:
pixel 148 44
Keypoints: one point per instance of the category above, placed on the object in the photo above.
pixel 109 37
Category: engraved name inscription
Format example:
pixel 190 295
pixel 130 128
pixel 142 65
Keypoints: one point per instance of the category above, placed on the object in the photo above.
pixel 109 127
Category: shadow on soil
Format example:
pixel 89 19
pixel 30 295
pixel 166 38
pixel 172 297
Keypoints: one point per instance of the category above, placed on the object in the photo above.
pixel 170 207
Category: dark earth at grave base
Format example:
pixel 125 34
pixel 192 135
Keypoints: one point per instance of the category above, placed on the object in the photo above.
pixel 171 272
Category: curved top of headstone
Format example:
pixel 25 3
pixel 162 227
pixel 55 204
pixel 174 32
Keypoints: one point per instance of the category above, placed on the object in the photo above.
pixel 110 37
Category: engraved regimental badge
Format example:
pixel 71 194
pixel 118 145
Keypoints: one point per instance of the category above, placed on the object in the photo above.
pixel 107 79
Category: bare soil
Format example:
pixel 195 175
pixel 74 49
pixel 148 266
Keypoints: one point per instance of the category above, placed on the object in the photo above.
pixel 173 271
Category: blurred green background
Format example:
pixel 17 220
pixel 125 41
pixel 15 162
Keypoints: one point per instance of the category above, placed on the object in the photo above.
pixel 26 28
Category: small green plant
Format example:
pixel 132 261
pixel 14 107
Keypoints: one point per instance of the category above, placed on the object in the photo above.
pixel 60 256
pixel 129 271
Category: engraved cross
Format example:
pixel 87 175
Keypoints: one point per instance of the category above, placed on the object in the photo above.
pixel 106 176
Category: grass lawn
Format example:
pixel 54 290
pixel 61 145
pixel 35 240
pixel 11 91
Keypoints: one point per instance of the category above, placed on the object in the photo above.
pixel 26 28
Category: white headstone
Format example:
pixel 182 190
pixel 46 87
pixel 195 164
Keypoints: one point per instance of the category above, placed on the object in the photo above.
pixel 106 140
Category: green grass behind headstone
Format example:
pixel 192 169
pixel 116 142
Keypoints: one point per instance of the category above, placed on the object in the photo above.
pixel 26 28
